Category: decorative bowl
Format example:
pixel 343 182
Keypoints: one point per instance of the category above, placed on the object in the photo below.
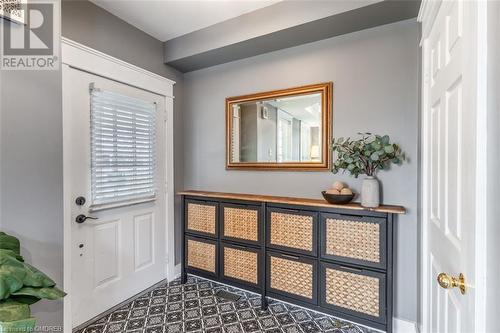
pixel 338 199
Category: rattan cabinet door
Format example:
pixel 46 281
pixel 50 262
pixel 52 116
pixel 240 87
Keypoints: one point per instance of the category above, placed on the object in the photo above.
pixel 241 223
pixel 359 240
pixel 240 264
pixel 292 276
pixel 353 291
pixel 201 256
pixel 201 217
pixel 292 230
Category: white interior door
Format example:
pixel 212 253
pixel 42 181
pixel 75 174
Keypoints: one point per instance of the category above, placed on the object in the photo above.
pixel 451 120
pixel 122 251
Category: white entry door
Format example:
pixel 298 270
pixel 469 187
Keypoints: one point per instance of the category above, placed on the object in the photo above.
pixel 452 179
pixel 116 140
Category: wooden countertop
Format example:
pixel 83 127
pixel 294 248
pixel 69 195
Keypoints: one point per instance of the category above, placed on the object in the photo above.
pixel 292 201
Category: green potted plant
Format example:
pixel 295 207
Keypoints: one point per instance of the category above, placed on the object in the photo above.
pixel 20 286
pixel 366 155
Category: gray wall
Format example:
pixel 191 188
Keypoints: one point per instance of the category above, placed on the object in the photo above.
pixel 31 174
pixel 376 82
pixel 493 191
pixel 88 24
pixel 31 161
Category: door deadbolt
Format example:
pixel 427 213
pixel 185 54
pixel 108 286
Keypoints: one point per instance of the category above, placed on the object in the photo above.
pixel 80 201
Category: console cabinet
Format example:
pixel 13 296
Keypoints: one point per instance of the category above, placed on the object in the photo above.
pixel 336 259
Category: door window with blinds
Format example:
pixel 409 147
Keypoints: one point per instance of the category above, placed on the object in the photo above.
pixel 123 156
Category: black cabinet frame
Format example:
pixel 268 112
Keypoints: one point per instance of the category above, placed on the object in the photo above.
pixel 383 240
pixel 260 223
pixel 197 271
pixel 381 318
pixel 294 211
pixel 236 282
pixel 387 253
pixel 301 259
pixel 203 203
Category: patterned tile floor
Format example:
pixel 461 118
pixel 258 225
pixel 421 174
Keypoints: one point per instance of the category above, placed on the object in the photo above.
pixel 195 308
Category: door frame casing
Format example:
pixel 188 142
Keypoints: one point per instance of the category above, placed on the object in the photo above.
pixel 84 58
pixel 429 10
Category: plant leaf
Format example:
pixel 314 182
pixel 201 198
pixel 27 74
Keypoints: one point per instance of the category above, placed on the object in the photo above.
pixel 46 293
pixel 389 149
pixel 15 275
pixel 25 299
pixel 12 311
pixel 8 242
pixel 36 278
pixel 365 155
pixel 23 325
pixel 12 274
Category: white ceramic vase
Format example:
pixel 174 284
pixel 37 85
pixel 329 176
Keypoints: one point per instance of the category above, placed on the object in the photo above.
pixel 370 192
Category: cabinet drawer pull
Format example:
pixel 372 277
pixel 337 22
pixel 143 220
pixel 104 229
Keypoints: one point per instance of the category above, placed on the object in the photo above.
pixel 241 206
pixel 290 256
pixel 352 269
pixel 251 206
pixel 237 246
pixel 286 210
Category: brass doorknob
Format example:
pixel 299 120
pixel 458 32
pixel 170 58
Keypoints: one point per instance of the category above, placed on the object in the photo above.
pixel 447 282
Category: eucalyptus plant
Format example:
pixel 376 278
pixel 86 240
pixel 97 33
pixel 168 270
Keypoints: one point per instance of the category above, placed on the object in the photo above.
pixel 366 155
pixel 20 286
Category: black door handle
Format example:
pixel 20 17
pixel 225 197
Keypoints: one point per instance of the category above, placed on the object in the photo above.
pixel 82 218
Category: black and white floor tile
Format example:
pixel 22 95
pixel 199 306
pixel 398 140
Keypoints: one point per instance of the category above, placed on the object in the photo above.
pixel 193 307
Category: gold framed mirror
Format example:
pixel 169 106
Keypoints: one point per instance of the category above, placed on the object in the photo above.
pixel 288 129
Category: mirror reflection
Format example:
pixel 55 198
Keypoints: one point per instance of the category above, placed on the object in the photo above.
pixel 279 130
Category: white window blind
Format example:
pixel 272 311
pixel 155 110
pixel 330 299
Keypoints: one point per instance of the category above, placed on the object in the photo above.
pixel 123 157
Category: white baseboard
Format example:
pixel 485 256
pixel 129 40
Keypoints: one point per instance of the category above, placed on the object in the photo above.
pixel 177 271
pixel 404 326
pixel 174 272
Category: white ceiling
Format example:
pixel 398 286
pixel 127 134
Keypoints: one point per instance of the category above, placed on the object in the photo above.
pixel 167 19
